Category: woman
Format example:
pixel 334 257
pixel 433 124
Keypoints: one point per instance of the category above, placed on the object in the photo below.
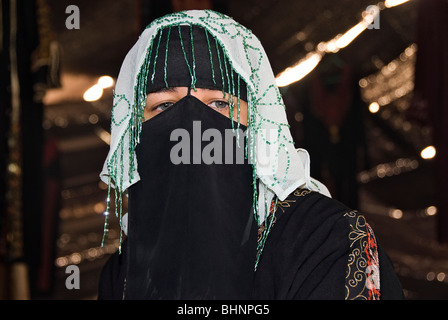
pixel 194 94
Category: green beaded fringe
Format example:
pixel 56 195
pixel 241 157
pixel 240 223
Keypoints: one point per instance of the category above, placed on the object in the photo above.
pixel 137 116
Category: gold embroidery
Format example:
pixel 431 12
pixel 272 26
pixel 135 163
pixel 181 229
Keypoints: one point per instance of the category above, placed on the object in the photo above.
pixel 285 204
pixel 301 192
pixel 356 280
pixel 288 201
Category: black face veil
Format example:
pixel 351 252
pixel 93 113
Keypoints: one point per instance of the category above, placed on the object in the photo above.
pixel 191 233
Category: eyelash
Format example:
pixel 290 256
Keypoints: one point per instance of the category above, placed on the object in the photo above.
pixel 166 105
pixel 226 104
pixel 163 106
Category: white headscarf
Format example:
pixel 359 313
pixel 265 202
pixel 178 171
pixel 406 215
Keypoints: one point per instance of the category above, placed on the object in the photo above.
pixel 279 172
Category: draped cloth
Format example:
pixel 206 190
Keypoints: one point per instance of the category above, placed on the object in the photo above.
pixel 268 130
pixel 318 249
pixel 191 230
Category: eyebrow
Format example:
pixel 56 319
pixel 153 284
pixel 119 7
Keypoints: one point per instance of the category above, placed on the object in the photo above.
pixel 166 89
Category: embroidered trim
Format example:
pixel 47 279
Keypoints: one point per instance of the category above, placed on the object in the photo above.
pixel 373 270
pixel 362 281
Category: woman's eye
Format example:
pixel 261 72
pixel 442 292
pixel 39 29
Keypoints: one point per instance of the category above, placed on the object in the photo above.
pixel 219 104
pixel 164 106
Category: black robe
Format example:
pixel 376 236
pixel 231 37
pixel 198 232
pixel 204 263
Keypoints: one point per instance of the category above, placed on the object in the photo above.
pixel 320 249
pixel 317 249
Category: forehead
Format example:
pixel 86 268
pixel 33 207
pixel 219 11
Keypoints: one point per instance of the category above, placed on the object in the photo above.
pixel 182 91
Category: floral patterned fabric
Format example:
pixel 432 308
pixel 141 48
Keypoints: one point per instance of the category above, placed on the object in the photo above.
pixel 363 272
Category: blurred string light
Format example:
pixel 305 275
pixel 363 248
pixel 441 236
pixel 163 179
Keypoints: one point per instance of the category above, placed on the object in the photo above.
pixel 431 211
pixel 393 81
pixel 80 210
pixel 300 70
pixel 103 135
pixel 306 65
pixel 401 214
pixel 392 86
pixel 396 213
pixel 390 169
pixel 374 107
pixel 428 153
pixel 89 254
pixel 89 251
pixel 394 3
pixel 440 276
pixel 95 92
pixel 105 82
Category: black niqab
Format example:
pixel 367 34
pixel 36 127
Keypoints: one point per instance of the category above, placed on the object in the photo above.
pixel 187 222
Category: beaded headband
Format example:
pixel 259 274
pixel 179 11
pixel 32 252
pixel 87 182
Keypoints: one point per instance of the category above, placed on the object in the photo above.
pixel 188 56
